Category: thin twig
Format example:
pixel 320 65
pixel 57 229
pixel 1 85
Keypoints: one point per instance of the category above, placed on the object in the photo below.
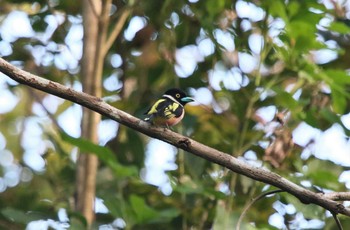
pixel 103 32
pixel 246 208
pixel 337 221
pixel 34 95
pixel 116 30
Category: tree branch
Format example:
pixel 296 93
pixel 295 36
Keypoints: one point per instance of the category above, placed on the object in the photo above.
pixel 246 208
pixel 337 221
pixel 339 196
pixel 116 30
pixel 175 139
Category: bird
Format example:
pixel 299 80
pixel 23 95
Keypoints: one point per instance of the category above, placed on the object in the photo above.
pixel 169 109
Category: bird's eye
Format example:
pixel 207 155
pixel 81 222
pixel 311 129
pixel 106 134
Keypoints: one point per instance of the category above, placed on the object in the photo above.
pixel 177 95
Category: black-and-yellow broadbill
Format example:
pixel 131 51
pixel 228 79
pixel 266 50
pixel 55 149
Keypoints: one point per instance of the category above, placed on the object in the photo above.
pixel 169 109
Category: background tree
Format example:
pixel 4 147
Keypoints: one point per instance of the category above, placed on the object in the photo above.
pixel 265 70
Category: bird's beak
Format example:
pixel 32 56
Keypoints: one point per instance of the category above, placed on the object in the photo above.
pixel 187 99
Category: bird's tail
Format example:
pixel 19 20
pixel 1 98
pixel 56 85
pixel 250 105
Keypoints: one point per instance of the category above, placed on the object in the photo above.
pixel 148 119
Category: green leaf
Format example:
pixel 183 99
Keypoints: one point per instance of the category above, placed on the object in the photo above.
pixel 309 117
pixel 224 219
pixel 303 34
pixel 131 145
pixel 338 102
pixel 19 216
pixel 324 174
pixel 340 77
pixel 329 116
pixel 142 211
pixel 77 221
pixel 293 8
pixel 310 211
pixel 339 27
pixel 168 214
pixel 285 100
pixel 188 187
pixel 276 8
pixel 102 152
pixel 119 206
pixel 195 165
pixel 215 7
pixel 338 80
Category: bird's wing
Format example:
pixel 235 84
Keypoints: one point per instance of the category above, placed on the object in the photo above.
pixel 157 106
pixel 165 108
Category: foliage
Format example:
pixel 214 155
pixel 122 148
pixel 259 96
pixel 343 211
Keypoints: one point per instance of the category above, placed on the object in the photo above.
pixel 268 60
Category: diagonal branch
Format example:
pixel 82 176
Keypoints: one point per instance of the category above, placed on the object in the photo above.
pixel 337 221
pixel 339 196
pixel 246 208
pixel 116 30
pixel 175 139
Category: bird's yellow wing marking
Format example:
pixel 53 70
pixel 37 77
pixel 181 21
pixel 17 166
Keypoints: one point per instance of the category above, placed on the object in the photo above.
pixel 171 110
pixel 154 108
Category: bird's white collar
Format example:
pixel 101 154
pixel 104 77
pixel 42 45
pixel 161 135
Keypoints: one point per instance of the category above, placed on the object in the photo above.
pixel 172 98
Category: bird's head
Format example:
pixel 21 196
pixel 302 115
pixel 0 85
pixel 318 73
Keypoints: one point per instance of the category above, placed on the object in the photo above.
pixel 179 95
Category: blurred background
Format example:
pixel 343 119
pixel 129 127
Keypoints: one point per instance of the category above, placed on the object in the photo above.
pixel 271 83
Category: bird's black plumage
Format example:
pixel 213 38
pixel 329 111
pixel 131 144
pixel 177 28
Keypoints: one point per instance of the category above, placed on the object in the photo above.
pixel 168 110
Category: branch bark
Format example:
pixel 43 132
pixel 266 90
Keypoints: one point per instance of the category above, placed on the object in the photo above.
pixel 339 196
pixel 96 104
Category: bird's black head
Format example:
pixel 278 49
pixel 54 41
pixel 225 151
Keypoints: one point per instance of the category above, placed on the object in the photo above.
pixel 179 96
